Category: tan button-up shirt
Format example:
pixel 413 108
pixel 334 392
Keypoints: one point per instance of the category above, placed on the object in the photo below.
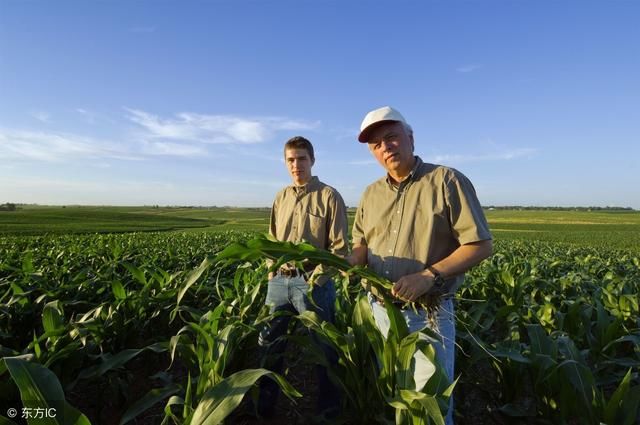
pixel 315 213
pixel 411 226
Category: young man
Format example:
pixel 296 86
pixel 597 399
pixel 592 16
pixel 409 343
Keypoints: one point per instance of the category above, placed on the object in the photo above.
pixel 421 226
pixel 312 211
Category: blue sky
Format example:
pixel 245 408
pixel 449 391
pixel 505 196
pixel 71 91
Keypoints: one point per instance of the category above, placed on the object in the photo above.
pixel 190 102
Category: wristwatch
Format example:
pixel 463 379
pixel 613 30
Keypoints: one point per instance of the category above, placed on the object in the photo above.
pixel 438 280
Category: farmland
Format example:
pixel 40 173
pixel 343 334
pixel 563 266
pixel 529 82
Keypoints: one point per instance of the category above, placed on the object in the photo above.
pixel 611 229
pixel 128 308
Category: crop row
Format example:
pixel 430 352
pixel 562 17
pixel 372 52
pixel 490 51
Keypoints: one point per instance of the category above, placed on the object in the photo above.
pixel 546 332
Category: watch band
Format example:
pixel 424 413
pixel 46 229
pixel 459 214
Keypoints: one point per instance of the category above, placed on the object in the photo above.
pixel 438 280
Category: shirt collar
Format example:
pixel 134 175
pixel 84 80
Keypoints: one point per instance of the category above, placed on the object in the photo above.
pixel 308 187
pixel 412 175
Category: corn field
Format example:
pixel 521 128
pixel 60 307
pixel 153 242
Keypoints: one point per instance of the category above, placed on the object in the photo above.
pixel 163 328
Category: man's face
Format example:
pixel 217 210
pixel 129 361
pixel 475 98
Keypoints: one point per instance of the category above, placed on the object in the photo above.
pixel 392 146
pixel 299 164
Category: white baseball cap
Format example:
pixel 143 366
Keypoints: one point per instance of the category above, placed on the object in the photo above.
pixel 386 113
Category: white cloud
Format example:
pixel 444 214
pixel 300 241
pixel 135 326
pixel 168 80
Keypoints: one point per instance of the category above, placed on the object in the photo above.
pixel 42 146
pixel 89 116
pixel 42 116
pixel 174 149
pixel 184 135
pixel 126 191
pixel 213 129
pixel 468 68
pixel 494 156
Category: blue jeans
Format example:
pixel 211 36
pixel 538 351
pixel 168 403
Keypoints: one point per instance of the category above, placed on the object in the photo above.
pixel 445 350
pixel 290 294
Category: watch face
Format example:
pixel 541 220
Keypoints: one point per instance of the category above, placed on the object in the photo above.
pixel 438 280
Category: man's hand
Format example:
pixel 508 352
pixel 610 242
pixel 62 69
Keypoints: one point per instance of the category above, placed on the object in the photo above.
pixel 358 257
pixel 412 286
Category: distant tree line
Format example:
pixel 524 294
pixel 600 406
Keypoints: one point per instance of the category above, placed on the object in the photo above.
pixel 8 207
pixel 520 207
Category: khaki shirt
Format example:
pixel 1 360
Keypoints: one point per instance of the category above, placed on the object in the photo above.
pixel 315 213
pixel 411 226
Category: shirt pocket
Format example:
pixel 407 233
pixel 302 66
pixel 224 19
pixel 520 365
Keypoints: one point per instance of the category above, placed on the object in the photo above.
pixel 316 229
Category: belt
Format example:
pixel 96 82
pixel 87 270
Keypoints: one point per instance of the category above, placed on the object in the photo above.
pixel 286 272
pixel 294 271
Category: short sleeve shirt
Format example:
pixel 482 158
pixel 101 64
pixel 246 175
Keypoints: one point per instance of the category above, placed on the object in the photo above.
pixel 315 213
pixel 409 227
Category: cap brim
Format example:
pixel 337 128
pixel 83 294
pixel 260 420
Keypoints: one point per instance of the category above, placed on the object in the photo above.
pixel 362 137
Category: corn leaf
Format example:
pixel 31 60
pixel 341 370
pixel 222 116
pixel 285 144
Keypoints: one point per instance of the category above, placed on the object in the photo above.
pixel 40 388
pixel 114 361
pixel 149 400
pixel 52 317
pixel 191 279
pixel 616 404
pixel 222 399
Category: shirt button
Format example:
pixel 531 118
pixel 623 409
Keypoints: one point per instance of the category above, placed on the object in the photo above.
pixel 398 212
pixel 386 272
pixel 395 231
pixel 390 251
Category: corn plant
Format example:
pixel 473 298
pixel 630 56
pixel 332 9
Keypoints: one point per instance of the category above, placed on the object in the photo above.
pixel 369 360
pixel 40 390
pixel 265 246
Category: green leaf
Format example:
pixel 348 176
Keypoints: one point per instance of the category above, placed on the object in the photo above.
pixel 118 290
pixel 365 328
pixel 137 273
pixel 615 402
pixel 405 366
pixel 222 399
pixel 540 341
pixel 582 384
pixel 192 278
pixel 40 388
pixel 419 404
pixel 397 324
pixel 52 317
pixel 114 361
pixel 150 399
pixel 5 421
pixel 27 263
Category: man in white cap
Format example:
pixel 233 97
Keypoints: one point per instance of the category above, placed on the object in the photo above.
pixel 421 226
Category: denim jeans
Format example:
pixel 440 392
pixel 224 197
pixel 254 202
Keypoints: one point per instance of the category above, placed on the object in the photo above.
pixel 445 350
pixel 291 294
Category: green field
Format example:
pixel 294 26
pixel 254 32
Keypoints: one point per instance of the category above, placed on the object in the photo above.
pixel 610 229
pixel 80 219
pixel 113 312
pixel 596 228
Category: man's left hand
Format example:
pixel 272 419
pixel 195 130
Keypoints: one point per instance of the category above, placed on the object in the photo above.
pixel 411 287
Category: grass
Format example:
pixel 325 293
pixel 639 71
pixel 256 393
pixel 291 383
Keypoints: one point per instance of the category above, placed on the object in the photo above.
pixel 618 230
